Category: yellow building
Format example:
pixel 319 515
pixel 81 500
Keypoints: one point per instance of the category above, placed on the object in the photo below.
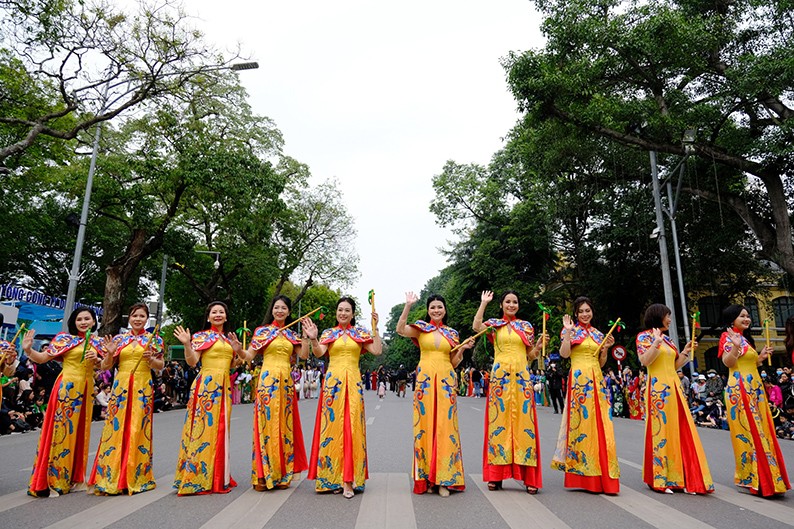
pixel 773 304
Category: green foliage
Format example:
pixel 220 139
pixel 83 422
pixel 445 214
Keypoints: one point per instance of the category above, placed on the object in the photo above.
pixel 639 74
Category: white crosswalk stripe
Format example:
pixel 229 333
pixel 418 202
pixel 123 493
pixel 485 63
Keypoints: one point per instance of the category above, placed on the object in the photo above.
pixel 653 512
pixel 111 509
pixel 252 510
pixel 387 503
pixel 15 499
pixel 519 509
pixel 731 495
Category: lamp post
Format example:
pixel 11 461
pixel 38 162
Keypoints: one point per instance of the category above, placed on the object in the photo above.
pixel 74 273
pixel 688 141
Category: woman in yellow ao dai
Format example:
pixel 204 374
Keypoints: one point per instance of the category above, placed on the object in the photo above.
pixel 586 442
pixel 759 461
pixel 674 457
pixel 203 463
pixel 123 460
pixel 278 453
pixel 511 447
pixel 62 452
pixel 339 448
pixel 438 458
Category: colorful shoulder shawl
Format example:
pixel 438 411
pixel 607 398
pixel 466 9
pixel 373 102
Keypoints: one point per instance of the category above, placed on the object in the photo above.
pixel 523 328
pixel 447 332
pixel 267 333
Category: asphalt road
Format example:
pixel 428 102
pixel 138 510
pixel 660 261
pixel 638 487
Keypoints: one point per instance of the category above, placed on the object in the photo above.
pixel 388 501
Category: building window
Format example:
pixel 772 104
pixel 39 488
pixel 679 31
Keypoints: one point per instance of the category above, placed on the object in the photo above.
pixel 783 308
pixel 710 308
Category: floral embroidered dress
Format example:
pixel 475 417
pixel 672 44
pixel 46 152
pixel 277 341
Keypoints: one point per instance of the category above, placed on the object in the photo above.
pixel 674 456
pixel 203 463
pixel 437 452
pixel 278 452
pixel 62 453
pixel 511 445
pixel 124 458
pixel 586 442
pixel 339 447
pixel 759 461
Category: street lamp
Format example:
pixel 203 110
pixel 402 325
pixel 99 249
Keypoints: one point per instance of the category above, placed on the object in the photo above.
pixel 217 255
pixel 74 273
pixel 688 141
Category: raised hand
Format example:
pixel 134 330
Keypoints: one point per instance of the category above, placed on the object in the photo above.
pixel 657 335
pixel 567 322
pixel 486 296
pixel 309 328
pixel 735 337
pixel 237 347
pixel 109 345
pixel 411 298
pixel 375 318
pixel 182 334
pixel 27 340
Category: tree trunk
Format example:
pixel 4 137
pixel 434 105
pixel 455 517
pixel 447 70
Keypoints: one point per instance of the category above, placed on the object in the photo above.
pixel 117 281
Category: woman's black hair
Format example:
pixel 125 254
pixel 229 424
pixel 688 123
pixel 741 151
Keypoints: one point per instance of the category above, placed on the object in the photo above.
pixel 288 302
pixel 729 315
pixel 227 327
pixel 578 302
pixel 654 316
pixel 72 322
pixel 436 297
pixel 352 303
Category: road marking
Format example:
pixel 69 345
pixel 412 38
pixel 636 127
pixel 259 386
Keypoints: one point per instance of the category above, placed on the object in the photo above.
pixel 758 505
pixel 370 421
pixel 653 512
pixel 253 509
pixel 477 409
pixel 765 507
pixel 519 509
pixel 628 463
pixel 377 407
pixel 14 499
pixel 387 503
pixel 111 509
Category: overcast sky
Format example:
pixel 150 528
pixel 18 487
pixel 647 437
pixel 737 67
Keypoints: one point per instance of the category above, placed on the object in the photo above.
pixel 379 95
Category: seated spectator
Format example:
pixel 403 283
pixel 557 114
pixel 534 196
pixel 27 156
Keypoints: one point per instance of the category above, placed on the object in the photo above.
pixel 26 406
pixel 697 407
pixel 784 427
pixel 712 415
pixel 161 400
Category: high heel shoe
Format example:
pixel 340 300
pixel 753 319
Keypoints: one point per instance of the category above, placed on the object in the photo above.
pixel 494 485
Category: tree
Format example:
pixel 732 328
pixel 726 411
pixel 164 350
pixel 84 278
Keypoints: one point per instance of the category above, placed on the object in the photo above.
pixel 66 66
pixel 639 74
pixel 195 164
pixel 315 237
